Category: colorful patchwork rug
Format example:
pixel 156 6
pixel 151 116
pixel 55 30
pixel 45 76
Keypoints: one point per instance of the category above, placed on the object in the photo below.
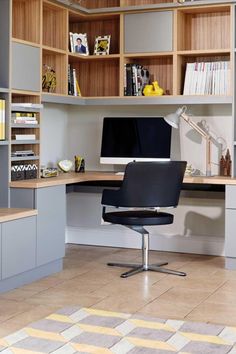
pixel 86 330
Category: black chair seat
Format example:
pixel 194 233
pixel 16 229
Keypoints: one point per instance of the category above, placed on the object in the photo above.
pixel 138 217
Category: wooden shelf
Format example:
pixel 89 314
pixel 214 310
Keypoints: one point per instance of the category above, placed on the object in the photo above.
pixel 33 44
pixel 25 126
pixel 99 3
pixel 51 50
pixel 25 158
pixel 204 28
pixel 24 142
pixel 97 26
pixel 76 57
pixel 26 20
pixel 4 90
pixel 206 52
pixel 62 99
pixel 55 26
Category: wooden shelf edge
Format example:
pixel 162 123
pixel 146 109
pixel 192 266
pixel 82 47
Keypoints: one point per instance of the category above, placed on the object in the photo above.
pixel 25 125
pixel 53 50
pixel 4 90
pixel 22 41
pixel 27 93
pixel 24 158
pixel 204 52
pixel 4 142
pixel 93 57
pixel 25 142
pixel 62 99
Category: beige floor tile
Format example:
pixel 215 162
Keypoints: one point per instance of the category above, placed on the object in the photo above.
pixel 164 309
pixel 18 294
pixel 224 314
pixel 10 308
pixel 124 303
pixel 223 297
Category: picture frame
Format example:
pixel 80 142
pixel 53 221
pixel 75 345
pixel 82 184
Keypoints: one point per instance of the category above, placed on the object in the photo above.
pixel 102 45
pixel 79 43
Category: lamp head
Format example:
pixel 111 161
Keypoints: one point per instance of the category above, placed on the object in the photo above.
pixel 173 119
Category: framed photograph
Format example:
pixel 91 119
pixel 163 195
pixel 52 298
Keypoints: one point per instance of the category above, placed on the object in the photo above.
pixel 79 43
pixel 102 45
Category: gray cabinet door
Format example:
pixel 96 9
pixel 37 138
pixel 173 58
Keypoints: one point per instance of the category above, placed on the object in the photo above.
pixel 148 32
pixel 51 223
pixel 25 67
pixel 18 246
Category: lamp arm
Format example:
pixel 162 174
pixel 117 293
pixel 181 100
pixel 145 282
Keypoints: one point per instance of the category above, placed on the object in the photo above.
pixel 195 126
pixel 204 135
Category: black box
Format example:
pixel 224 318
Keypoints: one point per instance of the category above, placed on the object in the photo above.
pixel 17 175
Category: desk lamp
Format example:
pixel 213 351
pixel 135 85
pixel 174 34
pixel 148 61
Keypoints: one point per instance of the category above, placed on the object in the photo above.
pixel 173 119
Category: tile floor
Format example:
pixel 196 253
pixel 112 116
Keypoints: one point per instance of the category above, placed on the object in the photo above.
pixel 207 293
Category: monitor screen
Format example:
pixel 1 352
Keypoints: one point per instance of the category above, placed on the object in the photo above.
pixel 135 139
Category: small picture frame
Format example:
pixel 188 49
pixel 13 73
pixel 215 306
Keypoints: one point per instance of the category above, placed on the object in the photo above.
pixel 79 43
pixel 102 45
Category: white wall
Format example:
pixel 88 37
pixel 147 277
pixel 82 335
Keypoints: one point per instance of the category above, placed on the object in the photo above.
pixel 199 222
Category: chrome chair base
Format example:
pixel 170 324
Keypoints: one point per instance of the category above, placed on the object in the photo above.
pixel 145 266
pixel 138 268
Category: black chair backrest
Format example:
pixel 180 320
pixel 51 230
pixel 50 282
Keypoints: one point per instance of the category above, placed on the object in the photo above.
pixel 148 184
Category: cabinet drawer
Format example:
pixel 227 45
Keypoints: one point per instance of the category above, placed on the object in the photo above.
pixel 18 246
pixel 230 197
pixel 144 32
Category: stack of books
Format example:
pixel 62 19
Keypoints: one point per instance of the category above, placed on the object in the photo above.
pixel 207 78
pixel 23 118
pixel 136 77
pixel 2 120
pixel 73 86
pixel 25 136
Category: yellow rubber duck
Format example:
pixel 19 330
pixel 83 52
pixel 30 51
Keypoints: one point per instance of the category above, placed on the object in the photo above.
pixel 153 90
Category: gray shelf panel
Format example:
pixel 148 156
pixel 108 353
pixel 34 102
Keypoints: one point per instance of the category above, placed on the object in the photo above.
pixel 4 142
pixel 63 99
pixel 25 158
pixel 161 100
pixel 25 109
pixel 24 142
pixel 143 7
pixel 15 125
pixel 4 90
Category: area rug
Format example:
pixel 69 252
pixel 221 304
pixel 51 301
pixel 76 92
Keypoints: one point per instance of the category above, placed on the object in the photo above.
pixel 85 330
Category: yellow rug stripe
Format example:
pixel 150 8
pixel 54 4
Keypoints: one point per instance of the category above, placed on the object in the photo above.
pixel 106 313
pixel 60 318
pixel 204 338
pixel 44 334
pixel 152 325
pixel 98 329
pixel 90 349
pixel 154 344
pixel 25 351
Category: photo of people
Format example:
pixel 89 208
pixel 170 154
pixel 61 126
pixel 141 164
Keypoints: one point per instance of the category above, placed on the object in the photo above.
pixel 102 45
pixel 79 43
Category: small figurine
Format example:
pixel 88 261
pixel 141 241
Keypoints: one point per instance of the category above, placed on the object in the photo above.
pixel 225 164
pixel 79 164
pixel 153 90
pixel 49 81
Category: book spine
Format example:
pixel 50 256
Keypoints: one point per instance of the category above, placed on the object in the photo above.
pixel 125 81
pixel 2 120
pixel 69 81
pixel 74 83
pixel 129 79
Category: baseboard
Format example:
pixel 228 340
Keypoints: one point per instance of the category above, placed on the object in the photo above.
pixel 110 237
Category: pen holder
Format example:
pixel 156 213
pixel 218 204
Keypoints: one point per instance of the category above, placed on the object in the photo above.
pixel 79 164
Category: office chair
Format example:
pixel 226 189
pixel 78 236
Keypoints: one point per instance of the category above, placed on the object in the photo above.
pixel 147 186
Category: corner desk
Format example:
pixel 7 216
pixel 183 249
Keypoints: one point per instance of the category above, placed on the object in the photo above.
pixel 48 196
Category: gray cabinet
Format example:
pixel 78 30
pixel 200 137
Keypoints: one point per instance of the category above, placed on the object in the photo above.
pixel 50 203
pixel 0 251
pixel 144 32
pixel 18 246
pixel 25 67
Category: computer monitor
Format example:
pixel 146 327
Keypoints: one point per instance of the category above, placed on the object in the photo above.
pixel 126 139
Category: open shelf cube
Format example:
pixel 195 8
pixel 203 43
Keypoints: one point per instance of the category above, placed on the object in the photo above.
pixel 54 26
pixel 26 20
pixel 97 26
pixel 160 69
pixel 184 59
pixel 204 28
pixel 58 62
pixel 144 2
pixel 97 78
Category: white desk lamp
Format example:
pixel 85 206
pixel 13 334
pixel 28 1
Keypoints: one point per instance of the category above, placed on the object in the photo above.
pixel 173 119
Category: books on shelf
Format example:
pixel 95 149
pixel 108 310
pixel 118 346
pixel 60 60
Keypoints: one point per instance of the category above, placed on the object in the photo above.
pixel 73 85
pixel 25 136
pixel 207 78
pixel 135 79
pixel 26 105
pixel 23 118
pixel 2 120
